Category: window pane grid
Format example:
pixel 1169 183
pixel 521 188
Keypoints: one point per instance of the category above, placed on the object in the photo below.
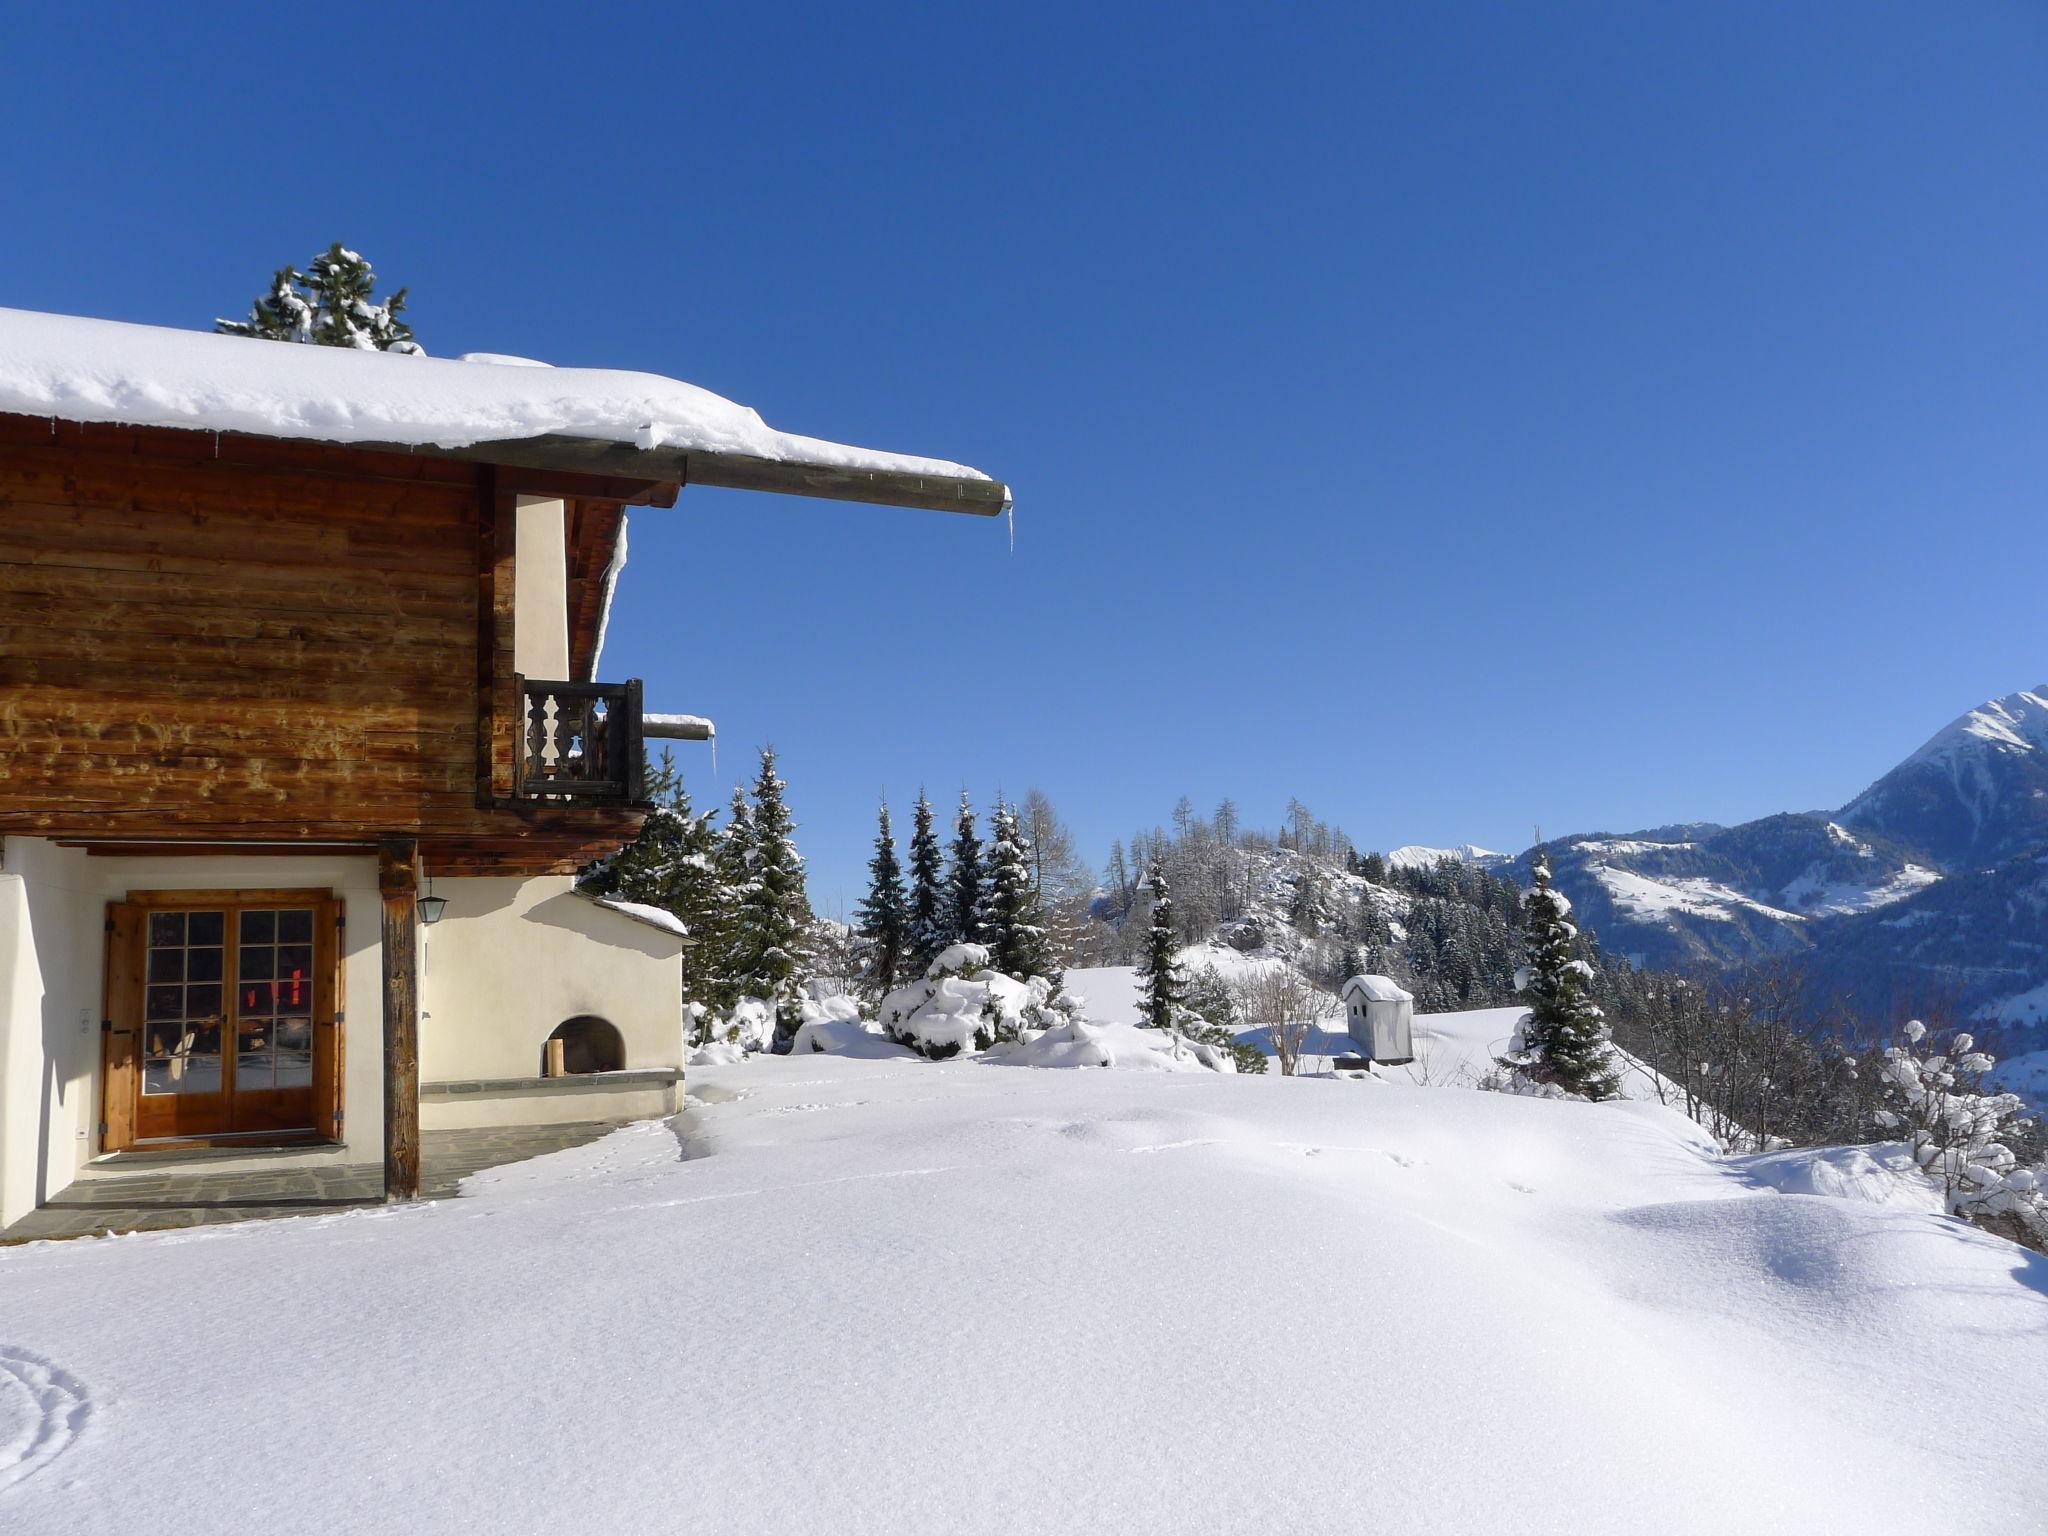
pixel 186 1007
pixel 183 1005
pixel 274 999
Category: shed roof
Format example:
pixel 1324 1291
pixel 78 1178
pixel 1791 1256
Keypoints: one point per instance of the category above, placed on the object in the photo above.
pixel 1378 989
pixel 488 408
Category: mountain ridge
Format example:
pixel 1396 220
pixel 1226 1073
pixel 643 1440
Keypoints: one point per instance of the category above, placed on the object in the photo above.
pixel 1926 888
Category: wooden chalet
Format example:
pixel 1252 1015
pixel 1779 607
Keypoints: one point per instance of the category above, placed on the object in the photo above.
pixel 290 635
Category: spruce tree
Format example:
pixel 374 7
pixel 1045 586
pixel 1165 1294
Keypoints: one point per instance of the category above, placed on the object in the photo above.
pixel 779 912
pixel 966 880
pixel 1564 1036
pixel 672 865
pixel 1162 991
pixel 928 930
pixel 883 918
pixel 1352 962
pixel 736 865
pixel 331 304
pixel 1015 919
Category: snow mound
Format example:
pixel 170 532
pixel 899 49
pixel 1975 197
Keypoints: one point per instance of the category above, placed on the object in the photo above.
pixel 1081 1044
pixel 1878 1175
pixel 833 1026
pixel 716 1053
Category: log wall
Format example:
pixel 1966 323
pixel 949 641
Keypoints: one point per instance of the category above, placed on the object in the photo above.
pixel 254 639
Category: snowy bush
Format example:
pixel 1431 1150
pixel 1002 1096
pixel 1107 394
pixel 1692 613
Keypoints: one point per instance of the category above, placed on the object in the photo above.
pixel 1955 1132
pixel 960 1004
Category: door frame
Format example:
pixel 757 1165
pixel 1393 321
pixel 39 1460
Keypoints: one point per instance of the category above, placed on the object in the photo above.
pixel 121 1023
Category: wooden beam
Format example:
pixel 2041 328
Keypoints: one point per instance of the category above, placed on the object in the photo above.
pixel 105 850
pixel 497 696
pixel 398 882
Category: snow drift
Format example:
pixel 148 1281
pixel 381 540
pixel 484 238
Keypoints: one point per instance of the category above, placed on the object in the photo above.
pixel 905 1297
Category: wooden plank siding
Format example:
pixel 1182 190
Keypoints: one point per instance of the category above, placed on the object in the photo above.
pixel 248 639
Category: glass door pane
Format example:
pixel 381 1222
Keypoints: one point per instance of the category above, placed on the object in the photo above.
pixel 274 1000
pixel 183 1003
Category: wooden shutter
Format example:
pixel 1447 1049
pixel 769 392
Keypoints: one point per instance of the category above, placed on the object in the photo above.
pixel 121 1026
pixel 329 1018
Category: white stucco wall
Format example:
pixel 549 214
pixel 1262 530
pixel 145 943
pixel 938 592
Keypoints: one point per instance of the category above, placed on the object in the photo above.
pixel 540 588
pixel 52 971
pixel 511 959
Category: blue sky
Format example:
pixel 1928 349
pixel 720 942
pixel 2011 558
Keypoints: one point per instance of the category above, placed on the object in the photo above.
pixel 1461 417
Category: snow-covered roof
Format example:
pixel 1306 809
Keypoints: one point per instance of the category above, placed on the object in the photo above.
pixel 653 917
pixel 1378 989
pixel 82 370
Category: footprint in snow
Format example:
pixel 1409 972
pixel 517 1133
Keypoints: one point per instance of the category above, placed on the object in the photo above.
pixel 43 1409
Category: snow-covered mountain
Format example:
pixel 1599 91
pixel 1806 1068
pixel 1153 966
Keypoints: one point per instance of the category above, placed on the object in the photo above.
pixel 1726 894
pixel 1976 794
pixel 1417 856
pixel 1928 888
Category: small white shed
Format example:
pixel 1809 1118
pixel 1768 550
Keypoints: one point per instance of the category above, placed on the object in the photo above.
pixel 1380 1018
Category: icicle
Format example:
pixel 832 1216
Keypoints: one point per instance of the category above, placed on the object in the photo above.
pixel 1010 512
pixel 714 757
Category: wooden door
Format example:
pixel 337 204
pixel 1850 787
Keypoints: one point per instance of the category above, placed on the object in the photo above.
pixel 183 954
pixel 121 1026
pixel 232 1003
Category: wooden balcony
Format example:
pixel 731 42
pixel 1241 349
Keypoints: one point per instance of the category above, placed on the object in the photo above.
pixel 580 743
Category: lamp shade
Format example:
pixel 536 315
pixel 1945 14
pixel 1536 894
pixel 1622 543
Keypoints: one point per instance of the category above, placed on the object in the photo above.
pixel 431 908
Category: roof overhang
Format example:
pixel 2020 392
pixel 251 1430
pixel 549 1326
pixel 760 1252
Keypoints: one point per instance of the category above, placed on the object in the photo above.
pixel 561 454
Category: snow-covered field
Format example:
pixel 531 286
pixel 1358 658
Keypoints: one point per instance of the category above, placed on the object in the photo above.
pixel 882 1295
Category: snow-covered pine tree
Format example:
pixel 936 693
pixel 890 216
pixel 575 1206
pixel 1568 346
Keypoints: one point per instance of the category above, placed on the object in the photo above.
pixel 779 909
pixel 966 880
pixel 1161 988
pixel 1014 924
pixel 928 930
pixel 1352 962
pixel 672 865
pixel 331 304
pixel 736 863
pixel 1564 1036
pixel 882 920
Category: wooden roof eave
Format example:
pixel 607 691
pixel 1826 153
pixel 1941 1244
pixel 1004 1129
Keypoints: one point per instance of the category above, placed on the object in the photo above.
pixel 623 463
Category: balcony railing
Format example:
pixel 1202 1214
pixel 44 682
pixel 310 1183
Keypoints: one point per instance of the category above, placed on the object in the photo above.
pixel 581 742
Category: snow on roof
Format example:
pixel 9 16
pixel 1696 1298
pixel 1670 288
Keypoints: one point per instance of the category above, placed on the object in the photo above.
pixel 110 371
pixel 684 727
pixel 654 917
pixel 1378 989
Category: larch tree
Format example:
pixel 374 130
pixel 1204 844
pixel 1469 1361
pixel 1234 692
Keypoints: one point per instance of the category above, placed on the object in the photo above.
pixel 1162 991
pixel 966 880
pixel 928 930
pixel 1065 884
pixel 1564 1035
pixel 331 304
pixel 882 921
pixel 1014 924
